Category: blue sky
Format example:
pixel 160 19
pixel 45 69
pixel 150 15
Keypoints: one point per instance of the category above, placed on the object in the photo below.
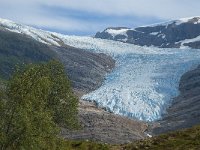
pixel 86 17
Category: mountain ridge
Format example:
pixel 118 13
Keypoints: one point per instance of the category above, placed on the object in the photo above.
pixel 116 97
pixel 87 64
pixel 181 33
pixel 21 39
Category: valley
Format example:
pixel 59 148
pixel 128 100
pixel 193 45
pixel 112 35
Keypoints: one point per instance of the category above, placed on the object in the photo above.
pixel 127 92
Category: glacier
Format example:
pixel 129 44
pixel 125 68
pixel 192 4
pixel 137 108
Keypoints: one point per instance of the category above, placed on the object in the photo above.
pixel 144 81
pixel 142 86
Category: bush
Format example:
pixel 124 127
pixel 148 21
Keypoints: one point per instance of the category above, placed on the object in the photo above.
pixel 35 103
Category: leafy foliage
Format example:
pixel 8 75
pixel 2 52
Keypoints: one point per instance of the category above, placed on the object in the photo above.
pixel 179 140
pixel 64 111
pixel 35 102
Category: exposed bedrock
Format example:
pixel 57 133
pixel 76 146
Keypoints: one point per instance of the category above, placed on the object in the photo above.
pixel 99 125
pixel 172 34
pixel 85 69
pixel 185 109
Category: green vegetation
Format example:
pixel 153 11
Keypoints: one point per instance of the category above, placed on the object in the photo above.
pixel 38 100
pixel 188 139
pixel 33 105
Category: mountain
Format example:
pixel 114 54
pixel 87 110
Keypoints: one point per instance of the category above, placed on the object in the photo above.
pixel 184 111
pixel 180 33
pixel 137 82
pixel 85 67
pixel 21 44
pixel 88 59
pixel 17 49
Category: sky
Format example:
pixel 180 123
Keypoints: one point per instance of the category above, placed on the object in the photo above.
pixel 86 17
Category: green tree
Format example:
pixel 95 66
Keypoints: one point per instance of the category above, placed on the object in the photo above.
pixel 36 102
pixel 61 99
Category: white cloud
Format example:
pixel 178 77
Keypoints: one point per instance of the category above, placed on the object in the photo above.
pixel 32 11
pixel 159 8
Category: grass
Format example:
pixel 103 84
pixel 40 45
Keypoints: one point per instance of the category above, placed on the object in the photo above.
pixel 188 139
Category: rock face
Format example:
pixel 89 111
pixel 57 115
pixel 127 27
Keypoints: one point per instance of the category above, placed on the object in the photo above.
pixel 99 125
pixel 17 49
pixel 85 69
pixel 174 34
pixel 184 111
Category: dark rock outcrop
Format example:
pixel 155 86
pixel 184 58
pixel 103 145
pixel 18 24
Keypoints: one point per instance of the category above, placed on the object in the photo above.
pixel 86 70
pixel 166 35
pixel 184 111
pixel 18 49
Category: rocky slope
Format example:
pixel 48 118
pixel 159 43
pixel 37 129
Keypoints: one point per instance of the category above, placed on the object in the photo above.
pixel 17 49
pixel 184 111
pixel 85 69
pixel 102 126
pixel 99 125
pixel 174 34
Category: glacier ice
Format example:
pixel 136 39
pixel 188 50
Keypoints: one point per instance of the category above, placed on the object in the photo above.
pixel 144 80
pixel 141 86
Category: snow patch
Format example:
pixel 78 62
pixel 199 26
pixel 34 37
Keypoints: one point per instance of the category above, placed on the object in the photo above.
pixel 190 40
pixel 185 20
pixel 154 33
pixel 182 46
pixel 115 32
pixel 149 135
pixel 162 36
pixel 177 22
pixel 39 35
